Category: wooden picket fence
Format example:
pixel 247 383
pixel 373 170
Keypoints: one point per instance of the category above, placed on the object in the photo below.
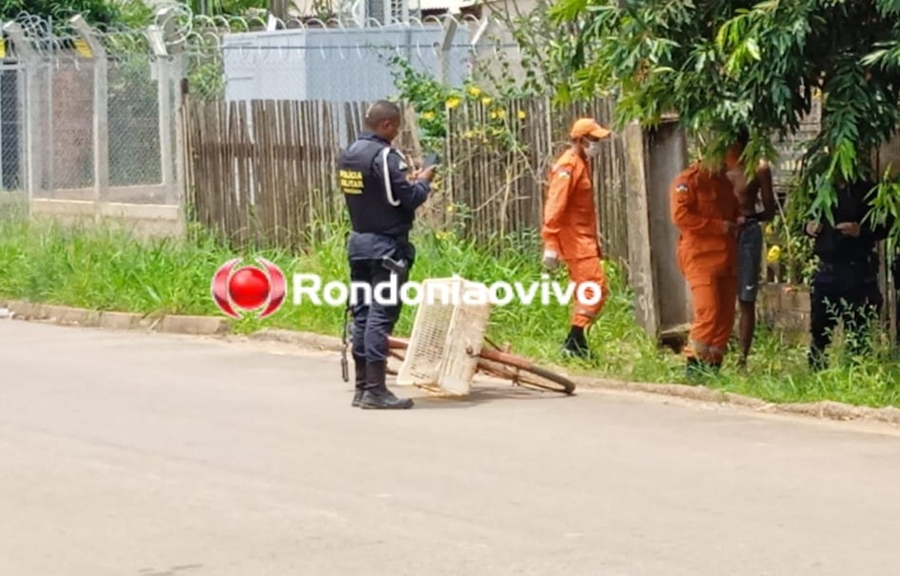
pixel 263 172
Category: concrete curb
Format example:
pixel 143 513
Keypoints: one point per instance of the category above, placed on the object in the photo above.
pixel 211 326
pixel 68 315
pixel 302 339
pixel 823 410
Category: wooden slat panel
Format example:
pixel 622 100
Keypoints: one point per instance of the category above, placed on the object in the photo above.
pixel 289 163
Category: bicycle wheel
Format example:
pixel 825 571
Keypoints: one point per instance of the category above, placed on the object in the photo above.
pixel 523 372
pixel 504 365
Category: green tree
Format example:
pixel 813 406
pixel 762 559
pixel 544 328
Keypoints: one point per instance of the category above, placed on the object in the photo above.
pixel 104 12
pixel 720 64
pixel 229 7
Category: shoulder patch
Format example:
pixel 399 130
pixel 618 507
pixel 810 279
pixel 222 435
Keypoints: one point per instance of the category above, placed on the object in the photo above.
pixel 564 173
pixel 681 188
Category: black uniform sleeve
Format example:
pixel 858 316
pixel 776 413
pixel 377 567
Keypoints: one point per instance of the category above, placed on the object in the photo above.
pixel 400 191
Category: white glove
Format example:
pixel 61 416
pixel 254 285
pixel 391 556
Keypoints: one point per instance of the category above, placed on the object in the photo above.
pixel 551 260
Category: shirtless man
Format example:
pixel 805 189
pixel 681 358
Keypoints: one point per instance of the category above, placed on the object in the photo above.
pixel 750 236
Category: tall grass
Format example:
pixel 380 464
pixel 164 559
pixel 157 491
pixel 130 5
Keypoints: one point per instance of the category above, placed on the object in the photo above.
pixel 106 268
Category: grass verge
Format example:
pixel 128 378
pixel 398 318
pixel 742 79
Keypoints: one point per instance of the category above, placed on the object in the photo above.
pixel 105 268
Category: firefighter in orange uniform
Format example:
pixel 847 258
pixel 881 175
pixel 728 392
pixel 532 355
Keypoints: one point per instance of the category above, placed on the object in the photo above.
pixel 570 228
pixel 706 212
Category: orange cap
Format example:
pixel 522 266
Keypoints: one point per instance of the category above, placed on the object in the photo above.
pixel 588 127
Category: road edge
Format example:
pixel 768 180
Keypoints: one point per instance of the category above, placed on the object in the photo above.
pixel 220 327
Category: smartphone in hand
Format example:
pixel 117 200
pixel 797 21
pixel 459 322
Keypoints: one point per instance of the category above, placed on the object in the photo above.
pixel 431 160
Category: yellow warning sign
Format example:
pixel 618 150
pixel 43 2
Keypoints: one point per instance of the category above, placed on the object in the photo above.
pixel 2 48
pixel 82 48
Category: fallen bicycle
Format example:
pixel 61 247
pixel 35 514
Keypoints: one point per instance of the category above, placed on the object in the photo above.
pixel 446 348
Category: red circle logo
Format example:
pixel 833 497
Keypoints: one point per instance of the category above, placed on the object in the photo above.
pixel 249 288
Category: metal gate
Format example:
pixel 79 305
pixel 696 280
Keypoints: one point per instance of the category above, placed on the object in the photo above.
pixel 11 136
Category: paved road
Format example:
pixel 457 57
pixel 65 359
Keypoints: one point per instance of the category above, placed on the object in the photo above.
pixel 131 454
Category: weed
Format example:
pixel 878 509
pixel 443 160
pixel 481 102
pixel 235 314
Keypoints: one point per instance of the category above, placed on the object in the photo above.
pixel 106 268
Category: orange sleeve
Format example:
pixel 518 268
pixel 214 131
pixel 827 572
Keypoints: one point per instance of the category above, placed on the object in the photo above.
pixel 561 179
pixel 684 210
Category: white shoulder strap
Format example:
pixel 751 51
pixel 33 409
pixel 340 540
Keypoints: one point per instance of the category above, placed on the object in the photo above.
pixel 387 177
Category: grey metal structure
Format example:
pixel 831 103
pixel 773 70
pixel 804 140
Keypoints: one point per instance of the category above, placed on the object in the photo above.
pixel 338 64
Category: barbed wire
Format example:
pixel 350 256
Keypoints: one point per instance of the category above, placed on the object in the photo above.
pixel 202 35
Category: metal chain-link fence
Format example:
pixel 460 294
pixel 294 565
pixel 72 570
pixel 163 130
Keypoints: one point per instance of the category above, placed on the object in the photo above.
pixel 12 147
pixel 82 118
pixel 91 115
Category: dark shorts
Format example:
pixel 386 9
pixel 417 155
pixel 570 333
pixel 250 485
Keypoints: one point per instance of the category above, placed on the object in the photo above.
pixel 750 245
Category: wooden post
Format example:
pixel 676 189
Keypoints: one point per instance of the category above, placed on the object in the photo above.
pixel 639 257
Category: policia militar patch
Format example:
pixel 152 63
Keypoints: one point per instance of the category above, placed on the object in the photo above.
pixel 351 181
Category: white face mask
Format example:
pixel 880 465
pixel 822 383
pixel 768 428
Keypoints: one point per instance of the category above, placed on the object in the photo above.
pixel 593 149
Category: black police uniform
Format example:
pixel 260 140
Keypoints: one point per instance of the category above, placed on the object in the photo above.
pixel 845 285
pixel 382 204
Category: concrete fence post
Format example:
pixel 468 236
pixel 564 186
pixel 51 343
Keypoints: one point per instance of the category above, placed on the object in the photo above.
pixel 31 121
pixel 101 113
pixel 168 50
pixel 446 45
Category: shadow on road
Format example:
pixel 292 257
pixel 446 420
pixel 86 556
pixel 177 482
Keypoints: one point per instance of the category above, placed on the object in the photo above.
pixel 482 394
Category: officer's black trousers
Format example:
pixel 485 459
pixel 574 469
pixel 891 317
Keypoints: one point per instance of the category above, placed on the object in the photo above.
pixel 373 321
pixel 843 295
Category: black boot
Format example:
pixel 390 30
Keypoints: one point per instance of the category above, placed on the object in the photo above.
pixel 694 367
pixel 697 367
pixel 377 395
pixel 359 362
pixel 576 343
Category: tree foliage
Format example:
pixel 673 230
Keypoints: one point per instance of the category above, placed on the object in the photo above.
pixel 104 12
pixel 721 64
pixel 225 7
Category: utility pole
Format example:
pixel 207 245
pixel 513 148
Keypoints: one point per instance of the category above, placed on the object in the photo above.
pixel 278 8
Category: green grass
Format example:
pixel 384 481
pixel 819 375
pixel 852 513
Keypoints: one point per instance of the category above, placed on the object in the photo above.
pixel 104 268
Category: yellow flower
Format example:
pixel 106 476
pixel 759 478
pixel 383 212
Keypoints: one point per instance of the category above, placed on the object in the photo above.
pixel 521 114
pixel 770 229
pixel 498 113
pixel 428 115
pixel 475 91
pixel 774 254
pixel 468 134
pixel 452 102
pixel 486 100
pixel 450 208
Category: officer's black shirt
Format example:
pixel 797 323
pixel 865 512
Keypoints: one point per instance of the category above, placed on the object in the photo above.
pixel 379 226
pixel 833 246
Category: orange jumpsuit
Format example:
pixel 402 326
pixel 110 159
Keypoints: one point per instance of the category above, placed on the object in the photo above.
pixel 570 229
pixel 701 204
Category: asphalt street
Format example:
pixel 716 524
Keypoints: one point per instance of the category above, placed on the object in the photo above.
pixel 125 453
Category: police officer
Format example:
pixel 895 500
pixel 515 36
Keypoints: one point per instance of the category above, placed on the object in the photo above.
pixel 382 201
pixel 845 286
